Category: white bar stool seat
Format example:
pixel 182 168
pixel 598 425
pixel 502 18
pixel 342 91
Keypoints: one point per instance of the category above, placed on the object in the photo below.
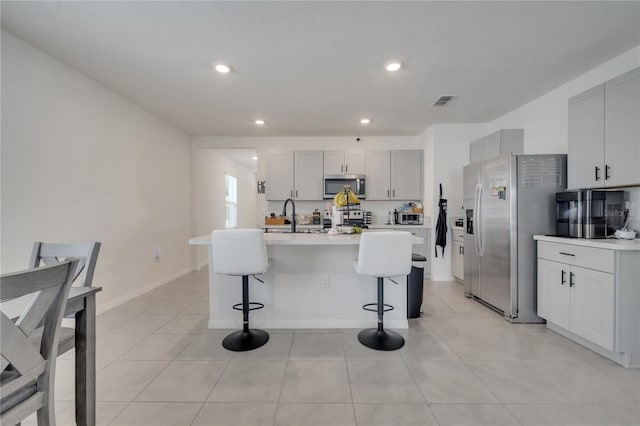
pixel 383 255
pixel 241 252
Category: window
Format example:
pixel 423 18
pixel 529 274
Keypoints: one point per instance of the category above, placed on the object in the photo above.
pixel 231 201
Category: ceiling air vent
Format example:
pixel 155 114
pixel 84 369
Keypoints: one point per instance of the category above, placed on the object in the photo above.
pixel 443 100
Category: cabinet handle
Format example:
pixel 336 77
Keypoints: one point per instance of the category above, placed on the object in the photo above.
pixel 394 193
pixel 597 173
pixel 462 250
pixel 562 279
pixel 566 254
pixel 606 172
pixel 296 193
pixel 341 168
pixel 346 168
pixel 571 283
pixel 387 193
pixel 291 193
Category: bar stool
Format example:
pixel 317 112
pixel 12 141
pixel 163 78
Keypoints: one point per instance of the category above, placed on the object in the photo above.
pixel 383 255
pixel 241 252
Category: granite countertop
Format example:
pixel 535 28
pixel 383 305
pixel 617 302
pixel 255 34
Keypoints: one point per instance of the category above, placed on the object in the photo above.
pixel 609 243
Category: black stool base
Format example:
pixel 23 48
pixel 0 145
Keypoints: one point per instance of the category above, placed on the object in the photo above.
pixel 385 340
pixel 240 341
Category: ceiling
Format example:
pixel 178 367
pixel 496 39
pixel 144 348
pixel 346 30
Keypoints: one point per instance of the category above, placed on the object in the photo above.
pixel 316 68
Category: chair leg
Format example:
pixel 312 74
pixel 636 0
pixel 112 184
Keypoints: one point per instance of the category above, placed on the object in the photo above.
pixel 245 339
pixel 379 338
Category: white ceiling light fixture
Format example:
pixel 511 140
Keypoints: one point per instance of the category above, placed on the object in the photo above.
pixel 222 68
pixel 393 66
pixel 255 157
pixel 259 122
pixel 365 121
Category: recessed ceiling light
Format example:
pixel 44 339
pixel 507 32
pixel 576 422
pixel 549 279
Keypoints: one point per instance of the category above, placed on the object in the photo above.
pixel 255 157
pixel 393 66
pixel 222 68
pixel 259 122
pixel 365 121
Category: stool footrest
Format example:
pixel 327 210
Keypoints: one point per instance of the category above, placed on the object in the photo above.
pixel 387 307
pixel 256 305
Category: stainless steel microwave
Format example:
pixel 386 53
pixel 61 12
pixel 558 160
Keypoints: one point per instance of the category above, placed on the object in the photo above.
pixel 336 183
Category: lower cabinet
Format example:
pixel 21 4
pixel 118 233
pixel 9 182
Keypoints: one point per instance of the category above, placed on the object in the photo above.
pixel 457 254
pixel 578 299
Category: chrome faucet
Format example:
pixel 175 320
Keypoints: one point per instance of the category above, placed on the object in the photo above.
pixel 293 213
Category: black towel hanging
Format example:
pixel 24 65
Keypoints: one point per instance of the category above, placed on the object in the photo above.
pixel 441 225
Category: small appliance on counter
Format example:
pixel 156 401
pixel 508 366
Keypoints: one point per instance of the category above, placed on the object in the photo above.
pixel 589 213
pixel 408 218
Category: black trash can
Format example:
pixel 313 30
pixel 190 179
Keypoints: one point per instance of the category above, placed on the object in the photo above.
pixel 414 285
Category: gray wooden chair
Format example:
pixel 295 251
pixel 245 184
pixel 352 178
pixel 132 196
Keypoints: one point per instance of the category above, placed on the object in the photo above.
pixel 28 370
pixel 52 253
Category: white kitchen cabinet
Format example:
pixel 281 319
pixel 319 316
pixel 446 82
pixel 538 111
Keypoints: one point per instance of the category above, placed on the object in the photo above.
pixel 279 176
pixel 378 175
pixel 394 175
pixel 604 134
pixel 457 255
pixel 554 297
pixel 579 289
pixel 622 129
pixel 297 176
pixel 406 175
pixel 496 144
pixel 308 175
pixel 344 163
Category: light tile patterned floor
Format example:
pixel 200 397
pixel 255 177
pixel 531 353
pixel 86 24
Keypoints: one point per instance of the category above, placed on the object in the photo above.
pixel 462 365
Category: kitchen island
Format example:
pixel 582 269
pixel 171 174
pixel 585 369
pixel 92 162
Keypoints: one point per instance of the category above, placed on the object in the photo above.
pixel 311 283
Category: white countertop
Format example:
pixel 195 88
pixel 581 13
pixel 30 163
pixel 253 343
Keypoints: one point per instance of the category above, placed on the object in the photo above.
pixel 301 239
pixel 609 243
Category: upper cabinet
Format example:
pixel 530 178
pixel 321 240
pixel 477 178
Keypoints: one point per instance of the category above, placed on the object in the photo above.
pixel 496 144
pixel 394 175
pixel 344 163
pixel 308 175
pixel 297 176
pixel 604 134
pixel 279 175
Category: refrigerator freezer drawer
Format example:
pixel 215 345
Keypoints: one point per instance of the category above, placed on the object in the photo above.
pixel 586 257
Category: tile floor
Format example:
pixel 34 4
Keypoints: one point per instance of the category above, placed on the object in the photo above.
pixel 462 364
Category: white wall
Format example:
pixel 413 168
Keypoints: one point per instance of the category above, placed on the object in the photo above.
pixel 209 168
pixel 81 163
pixel 545 119
pixel 448 152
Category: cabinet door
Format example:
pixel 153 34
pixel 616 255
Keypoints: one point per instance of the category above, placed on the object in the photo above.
pixel 308 175
pixel 279 175
pixel 457 265
pixel 378 172
pixel 585 167
pixel 354 163
pixel 622 129
pixel 477 151
pixel 593 305
pixel 493 145
pixel 406 175
pixel 554 295
pixel 334 162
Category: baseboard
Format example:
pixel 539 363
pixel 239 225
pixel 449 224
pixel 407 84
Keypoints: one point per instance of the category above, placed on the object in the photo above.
pixel 202 265
pixel 139 292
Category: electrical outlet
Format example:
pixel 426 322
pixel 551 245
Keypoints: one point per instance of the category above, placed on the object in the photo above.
pixel 156 254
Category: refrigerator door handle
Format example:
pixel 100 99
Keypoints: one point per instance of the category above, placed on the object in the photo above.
pixel 476 220
pixel 480 236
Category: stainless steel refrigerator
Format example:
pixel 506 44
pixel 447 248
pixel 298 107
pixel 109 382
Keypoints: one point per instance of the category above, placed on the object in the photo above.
pixel 507 200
